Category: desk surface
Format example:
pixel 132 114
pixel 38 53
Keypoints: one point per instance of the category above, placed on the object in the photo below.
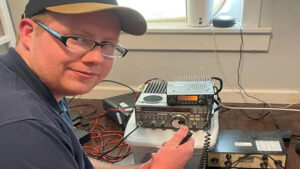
pixel 231 119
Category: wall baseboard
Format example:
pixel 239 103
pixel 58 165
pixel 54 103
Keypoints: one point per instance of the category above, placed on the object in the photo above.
pixel 227 95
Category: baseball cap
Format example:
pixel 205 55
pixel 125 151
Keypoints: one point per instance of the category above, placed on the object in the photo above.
pixel 131 21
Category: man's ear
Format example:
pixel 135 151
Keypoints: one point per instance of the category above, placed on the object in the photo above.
pixel 26 32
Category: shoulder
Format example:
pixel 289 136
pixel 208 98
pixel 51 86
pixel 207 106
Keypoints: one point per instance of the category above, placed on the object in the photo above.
pixel 34 144
pixel 18 107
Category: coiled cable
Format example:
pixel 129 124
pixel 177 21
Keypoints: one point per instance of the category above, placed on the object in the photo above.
pixel 204 154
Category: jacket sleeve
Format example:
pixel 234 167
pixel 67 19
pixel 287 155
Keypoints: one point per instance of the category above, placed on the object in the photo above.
pixel 33 144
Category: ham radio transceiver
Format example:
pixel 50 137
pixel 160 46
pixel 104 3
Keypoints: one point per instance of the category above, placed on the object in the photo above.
pixel 173 104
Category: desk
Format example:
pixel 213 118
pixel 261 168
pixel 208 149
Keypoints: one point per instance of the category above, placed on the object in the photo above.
pixel 234 119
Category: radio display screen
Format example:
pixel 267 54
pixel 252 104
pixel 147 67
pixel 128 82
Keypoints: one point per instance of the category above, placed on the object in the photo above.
pixel 187 98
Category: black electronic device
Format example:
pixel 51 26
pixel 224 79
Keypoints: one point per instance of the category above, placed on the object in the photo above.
pixel 190 103
pixel 285 134
pixel 119 107
pixel 82 135
pixel 297 148
pixel 75 119
pixel 223 21
pixel 190 92
pixel 248 149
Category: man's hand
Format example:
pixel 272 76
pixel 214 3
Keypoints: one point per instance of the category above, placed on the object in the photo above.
pixel 173 155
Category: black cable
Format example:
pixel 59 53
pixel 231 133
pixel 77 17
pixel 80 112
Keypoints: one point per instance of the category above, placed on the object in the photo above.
pixel 238 160
pixel 70 101
pixel 239 79
pixel 275 122
pixel 277 163
pixel 93 111
pixel 294 135
pixel 295 138
pixel 253 118
pixel 133 91
pixel 220 84
pixel 223 110
pixel 101 156
pixel 217 100
pixel 239 66
pixel 204 154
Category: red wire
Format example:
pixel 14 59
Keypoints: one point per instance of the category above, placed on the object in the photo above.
pixel 105 139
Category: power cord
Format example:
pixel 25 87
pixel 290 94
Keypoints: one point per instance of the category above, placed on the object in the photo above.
pixel 258 108
pixel 102 155
pixel 239 66
pixel 122 84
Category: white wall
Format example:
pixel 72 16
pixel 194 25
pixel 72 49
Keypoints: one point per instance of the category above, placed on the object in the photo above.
pixel 272 76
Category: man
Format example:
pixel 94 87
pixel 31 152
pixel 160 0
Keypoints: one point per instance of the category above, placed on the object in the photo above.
pixel 65 48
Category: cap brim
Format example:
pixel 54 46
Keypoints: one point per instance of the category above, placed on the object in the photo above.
pixel 132 22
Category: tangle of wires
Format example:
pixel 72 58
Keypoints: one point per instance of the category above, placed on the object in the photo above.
pixel 107 145
pixel 118 108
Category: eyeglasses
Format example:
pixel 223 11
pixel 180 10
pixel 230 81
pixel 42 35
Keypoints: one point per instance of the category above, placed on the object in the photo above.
pixel 80 43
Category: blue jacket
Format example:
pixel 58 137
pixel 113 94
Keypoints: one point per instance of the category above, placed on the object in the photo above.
pixel 33 133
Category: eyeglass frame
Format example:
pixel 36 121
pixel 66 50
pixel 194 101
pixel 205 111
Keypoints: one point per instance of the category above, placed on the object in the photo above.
pixel 63 39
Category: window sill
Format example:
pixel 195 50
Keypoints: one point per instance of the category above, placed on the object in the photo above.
pixel 179 36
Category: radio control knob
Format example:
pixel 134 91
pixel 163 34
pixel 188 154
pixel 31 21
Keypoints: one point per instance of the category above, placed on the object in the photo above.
pixel 194 125
pixel 152 124
pixel 228 156
pixel 162 124
pixel 214 160
pixel 177 121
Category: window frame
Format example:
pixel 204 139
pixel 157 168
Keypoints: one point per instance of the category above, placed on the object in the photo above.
pixel 174 36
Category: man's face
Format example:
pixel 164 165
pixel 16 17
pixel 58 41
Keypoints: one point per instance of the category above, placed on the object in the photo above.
pixel 66 71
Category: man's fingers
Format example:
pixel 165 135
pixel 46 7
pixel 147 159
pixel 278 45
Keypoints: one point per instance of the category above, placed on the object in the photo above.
pixel 177 137
pixel 188 145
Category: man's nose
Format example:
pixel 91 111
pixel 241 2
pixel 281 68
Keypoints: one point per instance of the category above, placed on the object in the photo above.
pixel 94 56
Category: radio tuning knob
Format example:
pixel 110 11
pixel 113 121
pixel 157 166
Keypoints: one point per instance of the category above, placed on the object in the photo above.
pixel 177 121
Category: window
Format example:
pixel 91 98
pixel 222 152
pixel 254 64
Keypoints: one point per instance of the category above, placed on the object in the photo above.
pixel 175 10
pixel 167 25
